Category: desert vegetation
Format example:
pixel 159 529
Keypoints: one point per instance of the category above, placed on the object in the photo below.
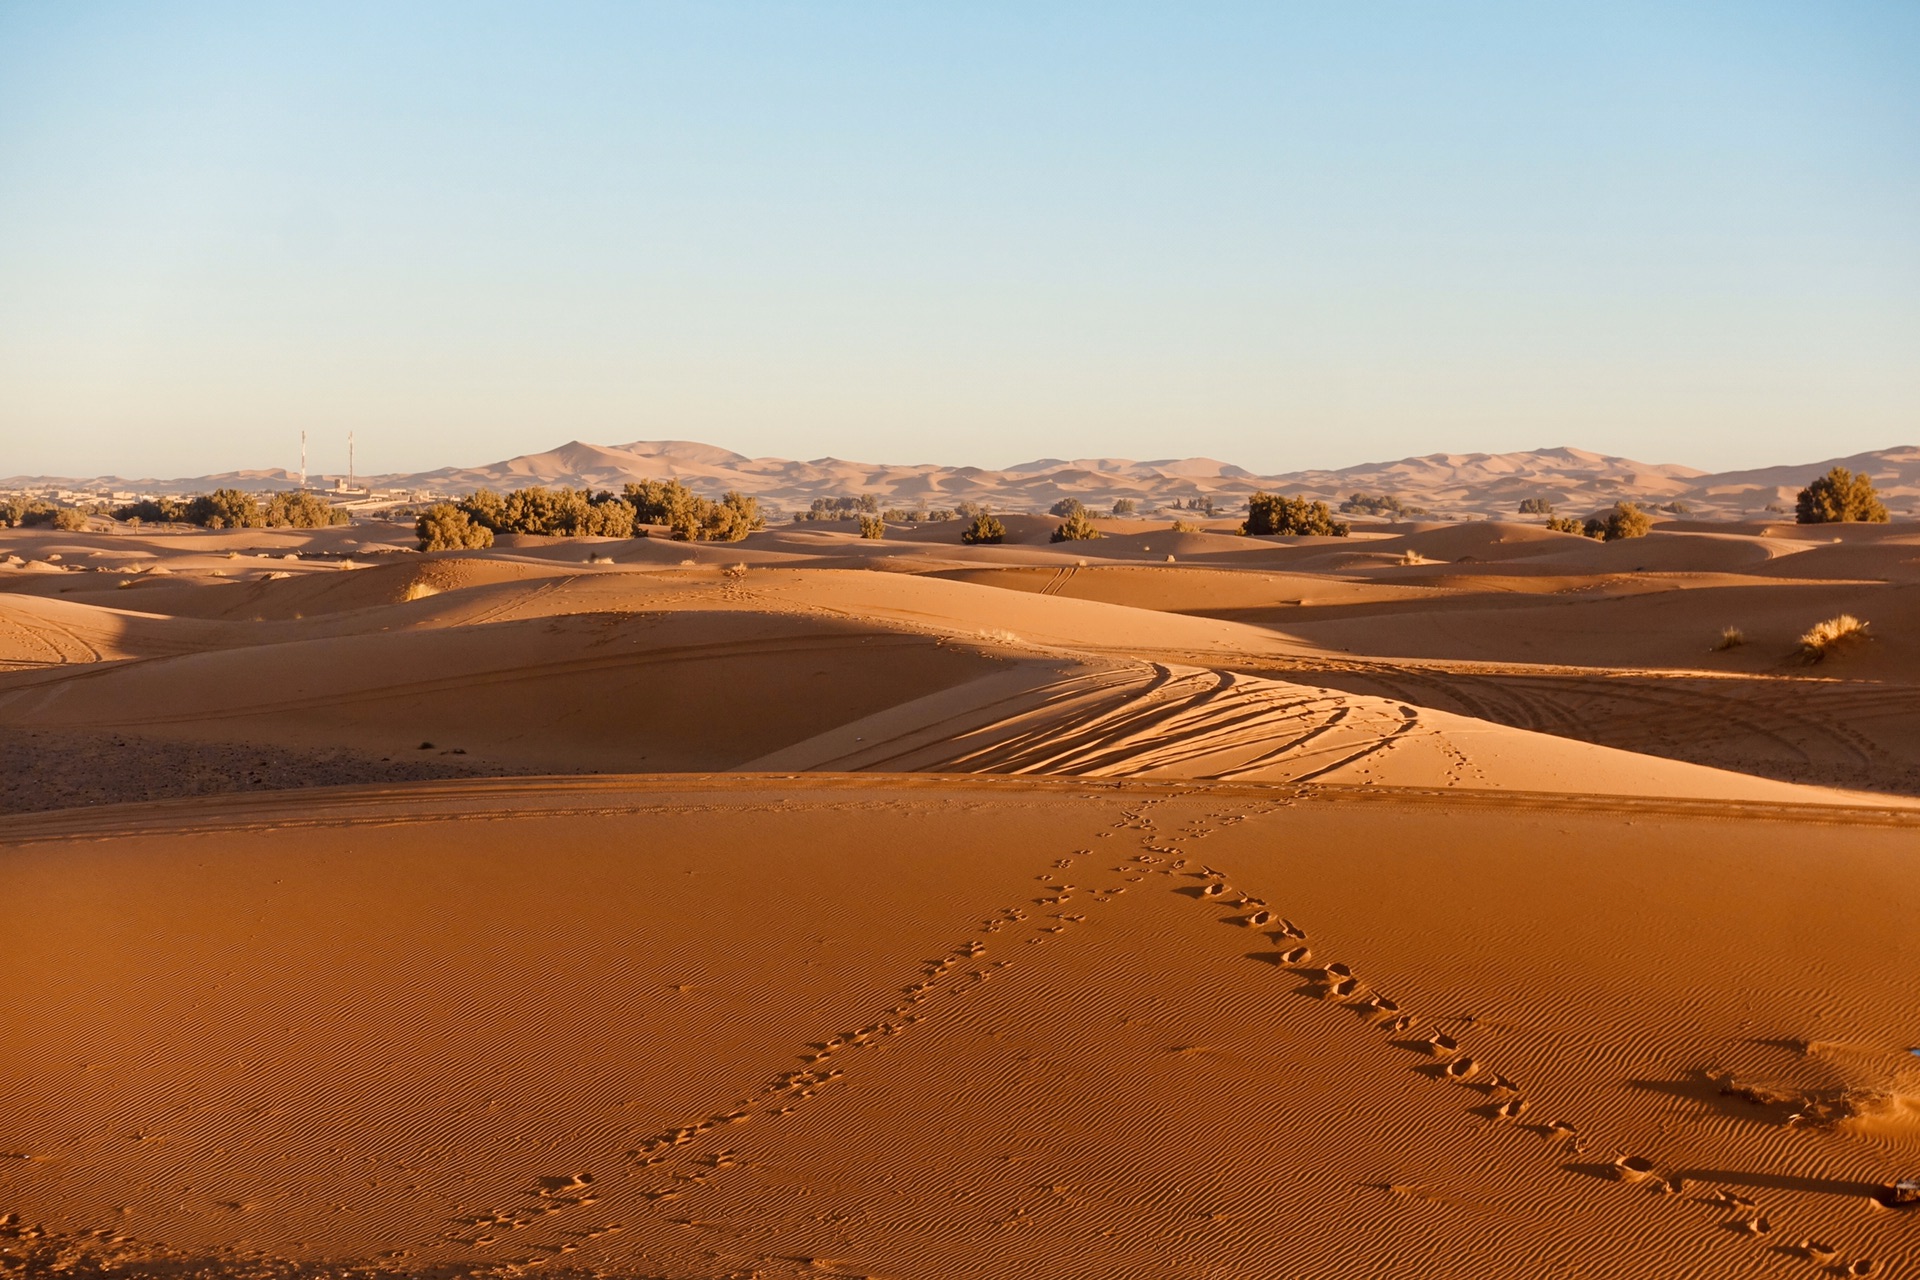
pixel 983 529
pixel 236 509
pixel 1730 638
pixel 1379 504
pixel 1536 506
pixel 1269 514
pixel 1823 639
pixel 27 512
pixel 1077 527
pixel 841 508
pixel 575 513
pixel 1566 524
pixel 872 527
pixel 1624 521
pixel 1124 507
pixel 445 527
pixel 1840 497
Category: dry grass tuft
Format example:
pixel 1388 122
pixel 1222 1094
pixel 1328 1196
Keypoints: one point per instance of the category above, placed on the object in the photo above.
pixel 1824 638
pixel 735 571
pixel 1730 638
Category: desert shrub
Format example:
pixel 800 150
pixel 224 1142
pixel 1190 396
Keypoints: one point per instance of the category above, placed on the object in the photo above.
pixel 560 513
pixel 70 519
pixel 1624 521
pixel 445 527
pixel 225 509
pixel 16 513
pixel 690 517
pixel 984 529
pixel 302 510
pixel 1536 507
pixel 1840 496
pixel 1186 526
pixel 1201 503
pixel 1565 524
pixel 153 510
pixel 1823 639
pixel 845 508
pixel 728 520
pixel 1272 514
pixel 968 510
pixel 941 513
pixel 1730 638
pixel 873 527
pixel 1067 507
pixel 1384 504
pixel 1077 527
pixel 734 572
pixel 1123 507
pixel 1678 508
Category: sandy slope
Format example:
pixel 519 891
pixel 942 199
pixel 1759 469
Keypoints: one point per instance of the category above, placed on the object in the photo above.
pixel 880 1027
pixel 1023 911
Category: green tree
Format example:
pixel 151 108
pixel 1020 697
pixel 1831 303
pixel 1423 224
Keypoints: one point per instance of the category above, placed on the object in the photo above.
pixel 983 529
pixel 154 510
pixel 445 527
pixel 1840 496
pixel 1271 514
pixel 1077 527
pixel 1624 521
pixel 225 509
pixel 302 510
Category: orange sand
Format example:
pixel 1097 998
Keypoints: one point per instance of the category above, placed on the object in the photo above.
pixel 953 911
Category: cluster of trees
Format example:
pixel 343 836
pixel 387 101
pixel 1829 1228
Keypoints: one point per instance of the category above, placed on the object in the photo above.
pixel 18 513
pixel 1840 497
pixel 1204 503
pixel 236 509
pixel 866 507
pixel 839 509
pixel 473 521
pixel 1383 504
pixel 1536 507
pixel 1624 521
pixel 1269 513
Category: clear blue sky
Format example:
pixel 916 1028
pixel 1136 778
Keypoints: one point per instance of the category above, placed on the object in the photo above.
pixel 1283 234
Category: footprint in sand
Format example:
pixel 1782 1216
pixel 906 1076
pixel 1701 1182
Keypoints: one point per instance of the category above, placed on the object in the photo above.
pixel 1296 955
pixel 1461 1068
pixel 1634 1168
pixel 1440 1044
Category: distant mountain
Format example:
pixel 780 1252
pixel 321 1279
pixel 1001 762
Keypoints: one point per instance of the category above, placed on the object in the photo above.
pixel 1448 485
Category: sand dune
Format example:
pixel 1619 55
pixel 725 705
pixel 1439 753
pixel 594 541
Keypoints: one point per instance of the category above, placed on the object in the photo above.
pixel 1475 485
pixel 876 1027
pixel 1441 903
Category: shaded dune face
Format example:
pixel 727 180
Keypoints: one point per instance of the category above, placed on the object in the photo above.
pixel 1439 903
